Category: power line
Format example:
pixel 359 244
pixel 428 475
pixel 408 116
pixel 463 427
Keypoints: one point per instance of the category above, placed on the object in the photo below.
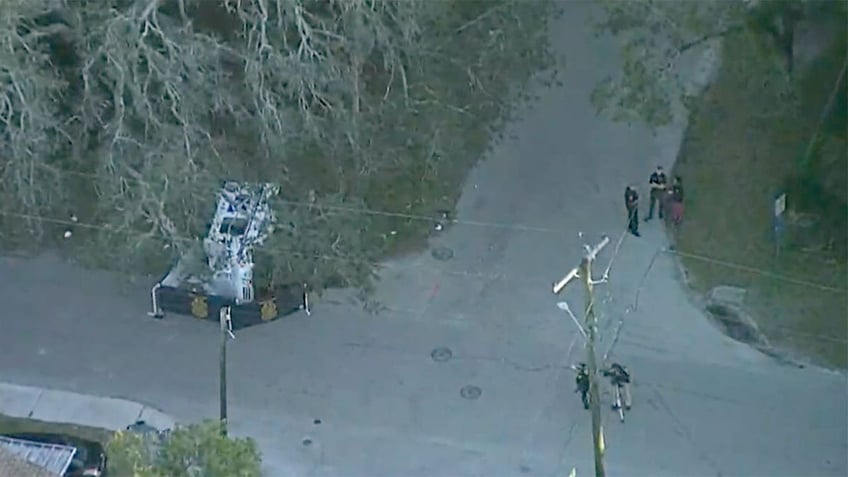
pixel 765 327
pixel 507 226
pixel 802 334
pixel 756 271
pixel 384 213
pixel 499 225
pixel 340 258
pixel 470 274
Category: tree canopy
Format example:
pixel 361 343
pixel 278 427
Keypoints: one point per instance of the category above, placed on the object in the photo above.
pixel 128 115
pixel 657 36
pixel 190 451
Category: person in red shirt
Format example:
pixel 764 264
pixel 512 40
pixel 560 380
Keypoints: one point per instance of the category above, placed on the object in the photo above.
pixel 676 199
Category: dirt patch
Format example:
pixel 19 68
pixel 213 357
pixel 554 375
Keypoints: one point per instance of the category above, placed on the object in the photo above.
pixel 731 324
pixel 16 425
pixel 738 150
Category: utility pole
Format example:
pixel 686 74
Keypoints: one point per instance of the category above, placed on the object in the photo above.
pixel 584 271
pixel 594 394
pixel 225 317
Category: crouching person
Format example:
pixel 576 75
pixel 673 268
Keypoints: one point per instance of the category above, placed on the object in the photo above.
pixel 620 378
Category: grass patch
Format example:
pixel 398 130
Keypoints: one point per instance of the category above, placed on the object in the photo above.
pixel 742 146
pixel 17 425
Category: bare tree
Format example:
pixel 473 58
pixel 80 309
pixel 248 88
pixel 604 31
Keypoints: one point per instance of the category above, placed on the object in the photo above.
pixel 149 84
pixel 309 59
pixel 381 104
pixel 367 89
pixel 31 124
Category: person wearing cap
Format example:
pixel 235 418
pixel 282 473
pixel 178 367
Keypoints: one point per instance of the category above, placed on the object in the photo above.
pixel 658 183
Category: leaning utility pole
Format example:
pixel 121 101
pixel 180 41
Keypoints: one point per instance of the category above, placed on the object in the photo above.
pixel 225 317
pixel 584 271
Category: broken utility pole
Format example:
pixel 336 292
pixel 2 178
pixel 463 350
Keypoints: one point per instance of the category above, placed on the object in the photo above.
pixel 584 271
pixel 225 318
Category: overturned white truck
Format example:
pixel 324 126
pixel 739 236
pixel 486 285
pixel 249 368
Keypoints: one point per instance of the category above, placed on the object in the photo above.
pixel 220 273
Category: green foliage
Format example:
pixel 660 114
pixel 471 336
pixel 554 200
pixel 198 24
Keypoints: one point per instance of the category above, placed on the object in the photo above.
pixel 819 184
pixel 742 144
pixel 191 451
pixel 657 37
pixel 661 38
pixel 817 83
pixel 16 425
pixel 320 243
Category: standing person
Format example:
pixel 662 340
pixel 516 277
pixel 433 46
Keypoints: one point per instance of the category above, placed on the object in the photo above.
pixel 677 200
pixel 658 183
pixel 631 202
pixel 582 381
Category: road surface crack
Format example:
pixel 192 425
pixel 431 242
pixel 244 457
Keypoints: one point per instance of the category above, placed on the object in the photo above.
pixel 683 431
pixel 557 471
pixel 518 366
pixel 513 364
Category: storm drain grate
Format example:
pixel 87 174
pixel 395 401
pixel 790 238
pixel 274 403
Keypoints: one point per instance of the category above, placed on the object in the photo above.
pixel 470 392
pixel 442 254
pixel 441 354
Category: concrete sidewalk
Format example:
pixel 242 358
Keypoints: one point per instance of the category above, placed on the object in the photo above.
pixel 73 408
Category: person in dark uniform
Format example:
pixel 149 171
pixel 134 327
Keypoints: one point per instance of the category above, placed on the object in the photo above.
pixel 582 381
pixel 658 183
pixel 631 202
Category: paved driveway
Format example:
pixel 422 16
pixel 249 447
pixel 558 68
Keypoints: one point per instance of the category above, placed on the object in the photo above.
pixel 363 391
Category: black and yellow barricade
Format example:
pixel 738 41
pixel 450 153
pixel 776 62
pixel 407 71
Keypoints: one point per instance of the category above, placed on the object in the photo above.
pixel 175 300
pixel 289 298
pixel 268 309
pixel 200 306
pixel 285 301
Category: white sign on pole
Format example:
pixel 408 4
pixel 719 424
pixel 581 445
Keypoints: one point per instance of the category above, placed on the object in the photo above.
pixel 780 205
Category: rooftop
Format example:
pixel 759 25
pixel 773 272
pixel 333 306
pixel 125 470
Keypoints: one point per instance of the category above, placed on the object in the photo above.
pixel 21 458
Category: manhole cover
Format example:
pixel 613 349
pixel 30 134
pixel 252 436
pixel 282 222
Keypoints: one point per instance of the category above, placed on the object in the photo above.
pixel 441 354
pixel 470 392
pixel 442 254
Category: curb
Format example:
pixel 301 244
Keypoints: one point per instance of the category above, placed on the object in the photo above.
pixel 74 408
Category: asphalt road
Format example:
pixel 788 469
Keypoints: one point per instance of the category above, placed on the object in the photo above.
pixel 364 389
